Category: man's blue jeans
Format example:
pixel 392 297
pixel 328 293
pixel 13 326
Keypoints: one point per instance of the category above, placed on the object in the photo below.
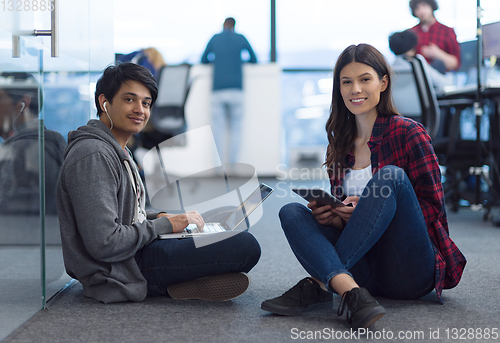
pixel 385 245
pixel 170 261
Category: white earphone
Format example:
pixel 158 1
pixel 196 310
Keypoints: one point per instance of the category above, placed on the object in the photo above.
pixel 106 110
pixel 23 105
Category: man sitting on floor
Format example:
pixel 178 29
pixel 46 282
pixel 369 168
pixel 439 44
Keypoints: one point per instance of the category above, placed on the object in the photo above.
pixel 110 243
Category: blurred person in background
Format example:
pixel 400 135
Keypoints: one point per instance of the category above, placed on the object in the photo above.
pixel 224 51
pixel 149 58
pixel 436 42
pixel 404 45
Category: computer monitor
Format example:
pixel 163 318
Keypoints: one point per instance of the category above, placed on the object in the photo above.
pixel 491 40
pixel 468 56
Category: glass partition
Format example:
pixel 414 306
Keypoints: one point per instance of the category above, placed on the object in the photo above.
pixel 41 99
pixel 21 250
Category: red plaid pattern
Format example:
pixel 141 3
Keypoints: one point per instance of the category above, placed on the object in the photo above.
pixel 404 143
pixel 441 35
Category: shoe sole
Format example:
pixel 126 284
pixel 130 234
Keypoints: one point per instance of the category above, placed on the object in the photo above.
pixel 287 311
pixel 212 288
pixel 371 318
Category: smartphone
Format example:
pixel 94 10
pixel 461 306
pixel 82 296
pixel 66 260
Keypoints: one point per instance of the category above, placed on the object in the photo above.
pixel 320 196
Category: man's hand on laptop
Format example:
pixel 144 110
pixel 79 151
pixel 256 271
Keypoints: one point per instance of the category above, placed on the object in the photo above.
pixel 180 221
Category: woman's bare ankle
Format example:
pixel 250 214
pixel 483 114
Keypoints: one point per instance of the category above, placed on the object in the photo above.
pixel 342 283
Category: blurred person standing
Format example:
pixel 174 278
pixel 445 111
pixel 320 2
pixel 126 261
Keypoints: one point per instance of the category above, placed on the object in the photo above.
pixel 224 50
pixel 436 42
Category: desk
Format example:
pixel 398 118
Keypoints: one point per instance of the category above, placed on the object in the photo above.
pixel 489 90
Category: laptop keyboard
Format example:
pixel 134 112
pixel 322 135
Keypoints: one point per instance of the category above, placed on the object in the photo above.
pixel 209 227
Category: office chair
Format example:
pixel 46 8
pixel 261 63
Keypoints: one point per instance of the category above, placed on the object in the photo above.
pixel 431 113
pixel 462 158
pixel 414 95
pixel 168 118
pixel 458 156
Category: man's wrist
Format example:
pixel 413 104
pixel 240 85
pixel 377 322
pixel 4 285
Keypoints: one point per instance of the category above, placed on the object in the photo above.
pixel 159 214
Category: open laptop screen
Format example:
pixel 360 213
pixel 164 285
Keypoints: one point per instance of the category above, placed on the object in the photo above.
pixel 248 206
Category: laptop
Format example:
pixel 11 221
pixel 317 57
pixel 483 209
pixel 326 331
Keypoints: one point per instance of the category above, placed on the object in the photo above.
pixel 235 218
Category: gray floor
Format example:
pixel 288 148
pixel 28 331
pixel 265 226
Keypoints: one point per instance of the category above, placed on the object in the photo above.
pixel 20 283
pixel 473 304
pixel 20 263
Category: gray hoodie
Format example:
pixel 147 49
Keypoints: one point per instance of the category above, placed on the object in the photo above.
pixel 96 205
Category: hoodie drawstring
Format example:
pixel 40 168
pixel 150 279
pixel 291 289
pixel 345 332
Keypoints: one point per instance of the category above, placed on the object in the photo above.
pixel 134 185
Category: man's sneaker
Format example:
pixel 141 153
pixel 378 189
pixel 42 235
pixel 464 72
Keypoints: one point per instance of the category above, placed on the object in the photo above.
pixel 362 309
pixel 305 294
pixel 213 288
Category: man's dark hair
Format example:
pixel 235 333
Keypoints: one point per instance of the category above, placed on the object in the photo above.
pixel 114 76
pixel 414 3
pixel 402 42
pixel 229 23
pixel 19 84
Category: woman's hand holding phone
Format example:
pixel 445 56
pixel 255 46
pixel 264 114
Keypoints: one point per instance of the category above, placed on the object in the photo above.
pixel 323 213
pixel 328 215
pixel 345 212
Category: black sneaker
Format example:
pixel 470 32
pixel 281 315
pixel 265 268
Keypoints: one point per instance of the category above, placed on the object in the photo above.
pixel 362 309
pixel 305 294
pixel 221 287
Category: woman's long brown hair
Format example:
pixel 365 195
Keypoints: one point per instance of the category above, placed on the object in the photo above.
pixel 341 125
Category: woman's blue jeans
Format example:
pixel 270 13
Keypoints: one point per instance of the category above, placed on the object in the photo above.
pixel 170 261
pixel 385 245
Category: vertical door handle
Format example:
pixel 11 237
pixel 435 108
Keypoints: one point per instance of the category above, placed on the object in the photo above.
pixel 53 33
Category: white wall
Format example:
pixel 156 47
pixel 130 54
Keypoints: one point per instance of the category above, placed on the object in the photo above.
pixel 261 124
